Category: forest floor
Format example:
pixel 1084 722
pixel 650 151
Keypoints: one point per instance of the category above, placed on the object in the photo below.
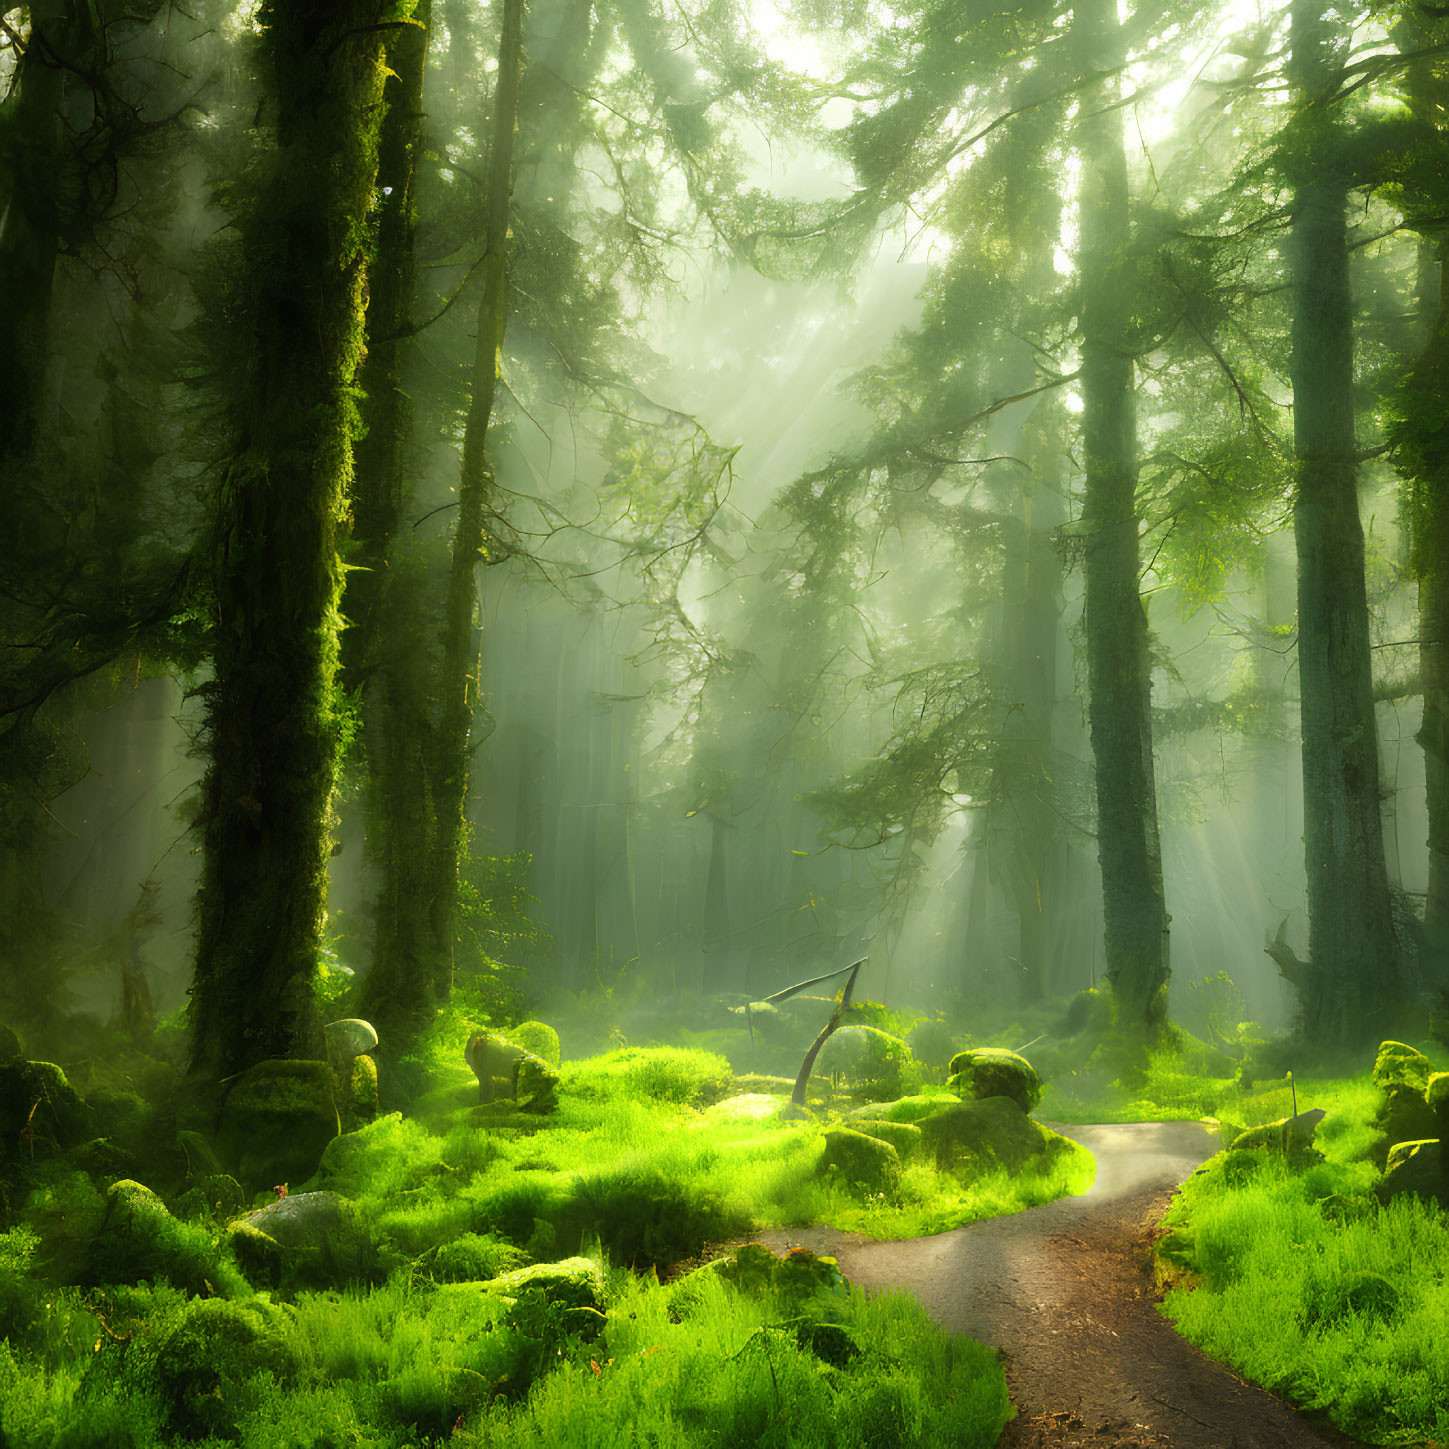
pixel 1066 1292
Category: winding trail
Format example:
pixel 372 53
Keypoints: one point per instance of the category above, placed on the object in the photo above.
pixel 1066 1292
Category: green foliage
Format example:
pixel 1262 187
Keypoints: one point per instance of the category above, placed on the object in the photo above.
pixel 1336 1309
pixel 473 1256
pixel 685 1076
pixel 206 1366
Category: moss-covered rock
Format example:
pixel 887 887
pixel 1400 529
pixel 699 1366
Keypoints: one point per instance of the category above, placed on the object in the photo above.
pixel 1436 1096
pixel 971 1138
pixel 754 1269
pixel 1403 1075
pixel 537 1085
pixel 204 1365
pixel 1088 1011
pixel 357 1100
pixel 305 1240
pixel 572 1283
pixel 10 1048
pixel 276 1122
pixel 140 1240
pixel 870 1060
pixel 905 1137
pixel 1400 1065
pixel 1290 1135
pixel 103 1158
pixel 41 1114
pixel 1421 1168
pixel 983 1072
pixel 865 1164
pixel 348 1038
pixel 215 1194
pixel 904 1109
pixel 539 1038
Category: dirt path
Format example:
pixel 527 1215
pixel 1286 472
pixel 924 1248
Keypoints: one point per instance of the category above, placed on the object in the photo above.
pixel 1066 1291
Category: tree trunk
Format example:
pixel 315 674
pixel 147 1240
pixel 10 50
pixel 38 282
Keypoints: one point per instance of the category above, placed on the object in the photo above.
pixel 1350 931
pixel 387 598
pixel 1118 663
pixel 30 239
pixel 1431 550
pixel 272 717
pixel 460 695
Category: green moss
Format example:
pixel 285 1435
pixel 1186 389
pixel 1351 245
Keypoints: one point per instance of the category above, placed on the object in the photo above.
pixel 276 1123
pixel 472 1257
pixel 205 1366
pixel 539 1038
pixel 139 1239
pixel 905 1137
pixel 995 1072
pixel 970 1138
pixel 865 1164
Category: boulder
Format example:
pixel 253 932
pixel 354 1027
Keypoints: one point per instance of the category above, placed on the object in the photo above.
pixel 754 1269
pixel 1400 1065
pixel 305 1238
pixel 10 1048
pixel 1402 1074
pixel 301 1219
pixel 995 1072
pixel 276 1122
pixel 972 1138
pixel 574 1284
pixel 537 1085
pixel 1421 1168
pixel 865 1164
pixel 350 1037
pixel 139 1239
pixel 906 1109
pixel 206 1368
pixel 41 1114
pixel 905 1137
pixel 1290 1135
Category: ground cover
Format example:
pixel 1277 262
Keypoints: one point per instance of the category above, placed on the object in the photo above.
pixel 1291 1269
pixel 133 1318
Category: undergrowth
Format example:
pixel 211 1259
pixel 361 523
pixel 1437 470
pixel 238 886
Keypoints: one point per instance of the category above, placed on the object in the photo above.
pixel 1299 1278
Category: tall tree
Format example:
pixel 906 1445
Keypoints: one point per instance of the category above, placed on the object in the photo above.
pixel 1119 671
pixel 1421 437
pixel 272 706
pixel 461 670
pixel 1352 969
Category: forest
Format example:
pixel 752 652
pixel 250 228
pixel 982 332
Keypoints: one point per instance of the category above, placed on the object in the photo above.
pixel 679 676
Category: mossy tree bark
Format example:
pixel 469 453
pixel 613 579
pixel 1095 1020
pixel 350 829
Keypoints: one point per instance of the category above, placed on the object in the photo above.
pixel 1118 662
pixel 272 705
pixel 461 665
pixel 385 664
pixel 1352 969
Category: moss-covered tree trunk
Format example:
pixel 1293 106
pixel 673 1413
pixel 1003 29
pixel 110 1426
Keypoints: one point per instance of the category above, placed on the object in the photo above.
pixel 272 722
pixel 1352 960
pixel 385 658
pixel 461 666
pixel 1118 661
